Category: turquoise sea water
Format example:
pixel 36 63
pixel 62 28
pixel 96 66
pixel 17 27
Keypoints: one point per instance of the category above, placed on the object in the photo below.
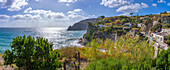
pixel 60 37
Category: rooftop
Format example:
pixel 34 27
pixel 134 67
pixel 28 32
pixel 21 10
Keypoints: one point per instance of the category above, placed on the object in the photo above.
pixel 126 27
pixel 135 28
pixel 162 34
pixel 127 24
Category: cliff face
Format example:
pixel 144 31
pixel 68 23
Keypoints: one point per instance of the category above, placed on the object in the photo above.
pixel 82 25
pixel 97 32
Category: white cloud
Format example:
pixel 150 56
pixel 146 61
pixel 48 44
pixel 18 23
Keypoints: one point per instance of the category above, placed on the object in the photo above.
pixel 154 5
pixel 4 18
pixel 27 17
pixel 76 11
pixel 76 17
pixel 168 4
pixel 47 14
pixel 132 8
pixel 124 14
pixel 67 4
pixel 1 1
pixel 14 5
pixel 161 1
pixel 114 3
pixel 55 15
pixel 29 10
pixel 76 14
pixel 37 0
pixel 68 1
pixel 6 3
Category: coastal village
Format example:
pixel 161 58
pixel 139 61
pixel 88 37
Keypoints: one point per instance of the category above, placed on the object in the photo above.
pixel 155 27
pixel 110 43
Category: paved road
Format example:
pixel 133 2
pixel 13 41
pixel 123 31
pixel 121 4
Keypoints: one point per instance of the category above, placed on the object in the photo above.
pixel 156 51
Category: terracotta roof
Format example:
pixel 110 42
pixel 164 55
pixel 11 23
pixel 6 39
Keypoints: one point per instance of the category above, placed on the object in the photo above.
pixel 127 24
pixel 126 27
pixel 135 28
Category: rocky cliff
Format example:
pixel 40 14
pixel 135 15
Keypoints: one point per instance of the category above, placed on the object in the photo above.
pixel 82 25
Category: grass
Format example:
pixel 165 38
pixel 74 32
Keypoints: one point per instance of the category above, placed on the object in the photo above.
pixel 1 64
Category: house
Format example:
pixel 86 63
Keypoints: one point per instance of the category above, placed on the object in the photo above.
pixel 134 31
pixel 167 30
pixel 127 24
pixel 144 18
pixel 126 29
pixel 160 38
pixel 155 23
pixel 102 26
pixel 118 28
pixel 166 19
pixel 140 24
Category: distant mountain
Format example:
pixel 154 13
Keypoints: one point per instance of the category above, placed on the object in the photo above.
pixel 82 25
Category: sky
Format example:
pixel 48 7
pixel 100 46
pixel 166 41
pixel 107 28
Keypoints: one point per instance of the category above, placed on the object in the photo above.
pixel 63 13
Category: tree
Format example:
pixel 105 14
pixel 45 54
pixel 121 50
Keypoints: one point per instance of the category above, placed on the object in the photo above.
pixel 102 17
pixel 124 20
pixel 131 14
pixel 160 21
pixel 168 40
pixel 30 54
pixel 163 60
pixel 90 24
pixel 165 12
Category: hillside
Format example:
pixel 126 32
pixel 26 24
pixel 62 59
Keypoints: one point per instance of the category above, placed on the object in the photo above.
pixel 82 25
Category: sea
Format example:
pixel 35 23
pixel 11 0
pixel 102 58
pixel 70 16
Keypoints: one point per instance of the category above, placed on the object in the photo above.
pixel 59 37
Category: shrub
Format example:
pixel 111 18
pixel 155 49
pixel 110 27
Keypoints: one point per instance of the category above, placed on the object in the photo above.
pixel 1 64
pixel 108 64
pixel 163 60
pixel 156 27
pixel 30 54
pixel 68 52
pixel 127 48
pixel 125 54
pixel 168 40
pixel 121 64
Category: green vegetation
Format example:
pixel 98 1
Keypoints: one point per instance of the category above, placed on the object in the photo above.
pixel 1 64
pixel 168 40
pixel 125 54
pixel 30 54
pixel 166 26
pixel 125 46
pixel 121 64
pixel 156 27
pixel 163 60
pixel 102 17
pixel 131 14
pixel 68 52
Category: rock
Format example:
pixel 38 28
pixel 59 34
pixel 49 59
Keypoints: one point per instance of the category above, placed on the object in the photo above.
pixel 85 41
pixel 82 25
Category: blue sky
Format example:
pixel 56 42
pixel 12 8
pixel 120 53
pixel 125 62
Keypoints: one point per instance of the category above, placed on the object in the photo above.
pixel 62 13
